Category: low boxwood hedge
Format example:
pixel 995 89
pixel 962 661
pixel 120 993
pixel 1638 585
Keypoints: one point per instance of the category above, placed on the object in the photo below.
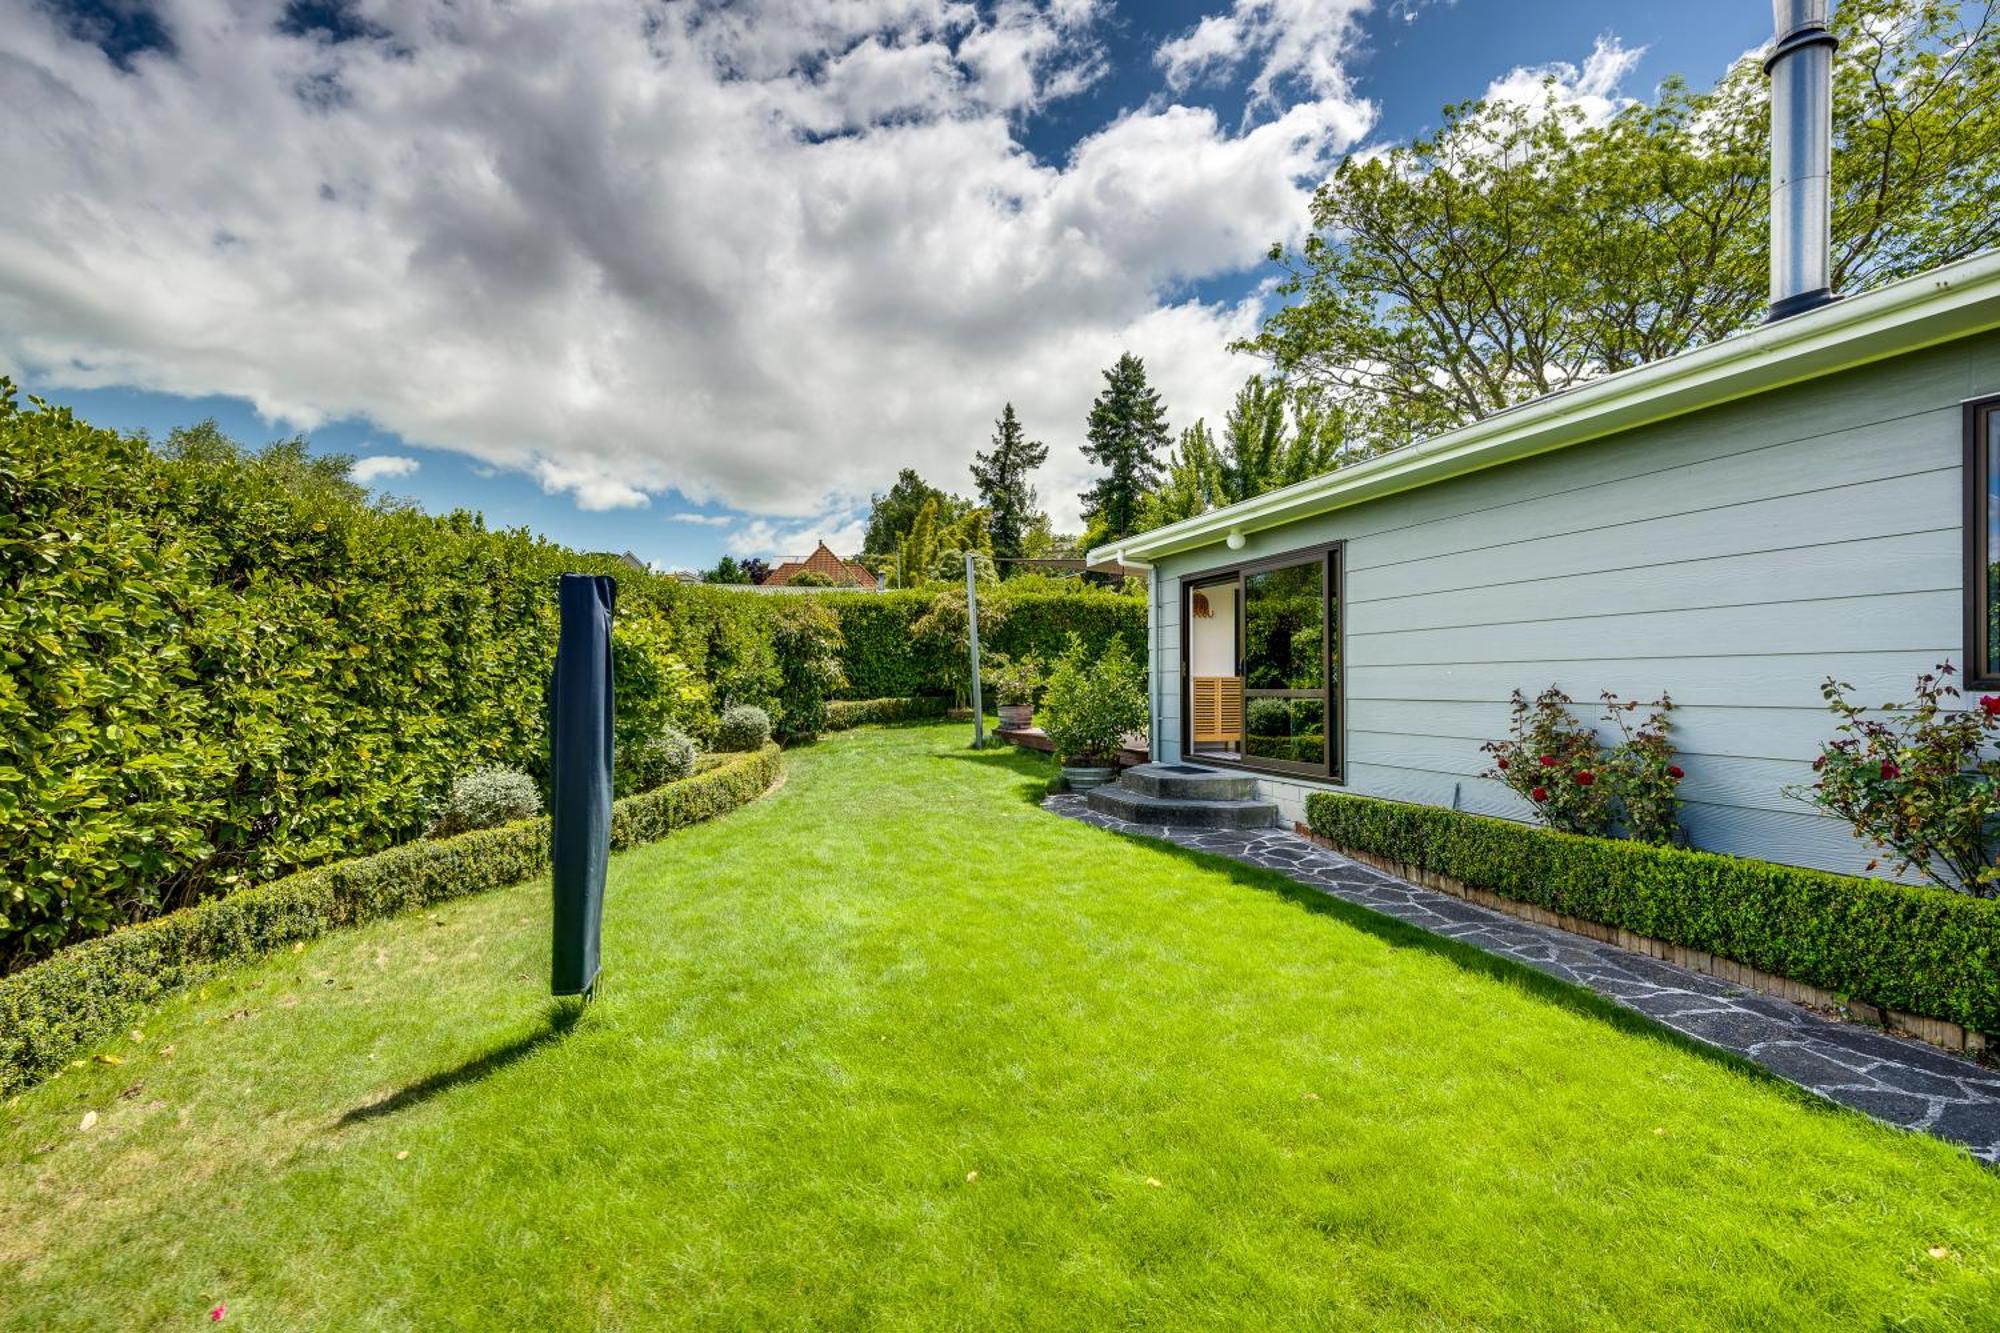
pixel 844 713
pixel 1923 950
pixel 53 1010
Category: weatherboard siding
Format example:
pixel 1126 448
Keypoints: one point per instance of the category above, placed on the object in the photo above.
pixel 1733 557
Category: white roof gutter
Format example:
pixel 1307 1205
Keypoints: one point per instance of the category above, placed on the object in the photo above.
pixel 1934 307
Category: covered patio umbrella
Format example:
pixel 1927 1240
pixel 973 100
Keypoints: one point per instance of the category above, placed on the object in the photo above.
pixel 580 715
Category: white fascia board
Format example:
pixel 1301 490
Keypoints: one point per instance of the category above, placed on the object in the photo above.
pixel 1950 302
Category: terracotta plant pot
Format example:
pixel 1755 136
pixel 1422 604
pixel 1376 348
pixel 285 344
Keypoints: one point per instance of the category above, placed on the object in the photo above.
pixel 1017 717
pixel 1084 777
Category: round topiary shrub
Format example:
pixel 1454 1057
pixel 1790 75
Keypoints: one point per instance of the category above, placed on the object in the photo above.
pixel 744 727
pixel 667 757
pixel 486 797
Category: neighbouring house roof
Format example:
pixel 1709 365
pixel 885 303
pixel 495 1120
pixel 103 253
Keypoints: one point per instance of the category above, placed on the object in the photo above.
pixel 821 561
pixel 1949 302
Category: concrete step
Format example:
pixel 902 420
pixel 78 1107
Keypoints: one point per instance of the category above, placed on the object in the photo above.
pixel 1189 782
pixel 1121 802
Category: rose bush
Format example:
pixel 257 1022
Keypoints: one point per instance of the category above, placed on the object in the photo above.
pixel 1579 785
pixel 1921 781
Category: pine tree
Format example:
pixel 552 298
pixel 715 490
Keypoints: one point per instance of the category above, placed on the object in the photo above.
pixel 1002 479
pixel 1128 428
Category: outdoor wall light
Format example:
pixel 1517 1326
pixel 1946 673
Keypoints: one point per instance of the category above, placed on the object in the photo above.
pixel 1235 539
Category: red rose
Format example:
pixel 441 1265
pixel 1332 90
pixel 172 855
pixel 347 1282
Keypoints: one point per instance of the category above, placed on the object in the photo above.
pixel 1890 769
pixel 1675 772
pixel 215 1315
pixel 1990 704
pixel 1540 794
pixel 1548 761
pixel 1585 778
pixel 1503 765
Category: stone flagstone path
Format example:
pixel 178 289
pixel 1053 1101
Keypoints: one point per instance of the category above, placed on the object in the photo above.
pixel 1897 1080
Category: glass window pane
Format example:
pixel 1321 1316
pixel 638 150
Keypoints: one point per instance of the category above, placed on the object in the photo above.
pixel 1992 539
pixel 1284 628
pixel 1291 730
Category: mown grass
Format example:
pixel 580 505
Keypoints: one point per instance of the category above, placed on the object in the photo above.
pixel 893 1048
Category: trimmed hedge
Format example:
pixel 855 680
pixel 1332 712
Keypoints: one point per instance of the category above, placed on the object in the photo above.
pixel 882 657
pixel 844 713
pixel 1918 949
pixel 59 1007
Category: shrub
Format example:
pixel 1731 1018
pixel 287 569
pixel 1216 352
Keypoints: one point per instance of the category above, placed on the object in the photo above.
pixel 667 757
pixel 806 641
pixel 744 727
pixel 844 713
pixel 54 1010
pixel 1921 783
pixel 1643 772
pixel 1015 680
pixel 1091 704
pixel 942 640
pixel 485 798
pixel 1918 949
pixel 1575 784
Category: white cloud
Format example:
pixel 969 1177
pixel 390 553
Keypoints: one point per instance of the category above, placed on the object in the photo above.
pixel 759 254
pixel 702 520
pixel 380 467
pixel 795 541
pixel 1592 90
pixel 1292 43
pixel 595 487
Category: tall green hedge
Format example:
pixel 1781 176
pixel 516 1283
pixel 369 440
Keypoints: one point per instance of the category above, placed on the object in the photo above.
pixel 1918 949
pixel 885 656
pixel 59 1007
pixel 220 666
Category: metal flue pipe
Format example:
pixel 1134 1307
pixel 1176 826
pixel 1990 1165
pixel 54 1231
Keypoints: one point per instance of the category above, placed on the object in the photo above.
pixel 1800 67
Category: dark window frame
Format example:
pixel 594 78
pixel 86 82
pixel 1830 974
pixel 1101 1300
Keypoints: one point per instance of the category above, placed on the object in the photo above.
pixel 1333 653
pixel 1981 670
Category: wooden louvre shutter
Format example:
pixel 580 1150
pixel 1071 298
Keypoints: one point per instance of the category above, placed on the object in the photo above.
pixel 1218 709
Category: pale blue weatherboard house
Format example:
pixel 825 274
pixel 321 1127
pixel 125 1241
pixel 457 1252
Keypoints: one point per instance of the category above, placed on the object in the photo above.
pixel 1731 525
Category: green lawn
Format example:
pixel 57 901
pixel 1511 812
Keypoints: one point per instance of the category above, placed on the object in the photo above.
pixel 893 1048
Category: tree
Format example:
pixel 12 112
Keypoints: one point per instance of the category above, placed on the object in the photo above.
pixel 726 570
pixel 755 570
pixel 1041 541
pixel 1128 428
pixel 1273 436
pixel 971 535
pixel 1520 250
pixel 934 548
pixel 1002 479
pixel 896 512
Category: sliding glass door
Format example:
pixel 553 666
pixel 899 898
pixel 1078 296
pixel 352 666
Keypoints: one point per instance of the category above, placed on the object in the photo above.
pixel 1261 657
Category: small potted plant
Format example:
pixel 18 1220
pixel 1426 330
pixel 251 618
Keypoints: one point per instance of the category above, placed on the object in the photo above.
pixel 1088 709
pixel 1019 684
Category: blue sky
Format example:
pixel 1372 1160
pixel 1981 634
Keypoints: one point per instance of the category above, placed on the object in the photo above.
pixel 701 283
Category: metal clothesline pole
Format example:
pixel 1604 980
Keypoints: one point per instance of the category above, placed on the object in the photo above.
pixel 972 634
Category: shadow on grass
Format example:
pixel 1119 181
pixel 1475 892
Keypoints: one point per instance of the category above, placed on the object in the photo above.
pixel 1401 934
pixel 562 1016
pixel 1033 765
